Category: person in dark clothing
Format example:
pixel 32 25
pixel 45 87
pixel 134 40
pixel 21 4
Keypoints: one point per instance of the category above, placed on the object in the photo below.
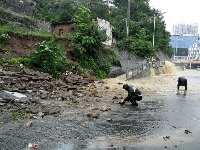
pixel 182 82
pixel 134 95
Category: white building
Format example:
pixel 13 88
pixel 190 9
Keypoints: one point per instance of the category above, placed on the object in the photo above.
pixel 103 24
pixel 194 51
pixel 109 3
pixel 185 29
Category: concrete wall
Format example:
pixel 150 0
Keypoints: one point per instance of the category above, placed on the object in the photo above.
pixel 128 60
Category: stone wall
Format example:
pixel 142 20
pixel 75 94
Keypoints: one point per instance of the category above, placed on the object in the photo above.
pixel 127 60
pixel 18 7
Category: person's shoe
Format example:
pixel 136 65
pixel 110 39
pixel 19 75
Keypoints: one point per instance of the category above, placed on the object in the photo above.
pixel 135 104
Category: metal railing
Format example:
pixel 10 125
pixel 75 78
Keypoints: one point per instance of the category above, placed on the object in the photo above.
pixel 131 72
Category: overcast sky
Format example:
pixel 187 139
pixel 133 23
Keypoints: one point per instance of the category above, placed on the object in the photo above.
pixel 178 11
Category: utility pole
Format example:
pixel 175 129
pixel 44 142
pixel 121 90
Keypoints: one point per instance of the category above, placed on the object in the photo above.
pixel 154 26
pixel 127 24
pixel 127 21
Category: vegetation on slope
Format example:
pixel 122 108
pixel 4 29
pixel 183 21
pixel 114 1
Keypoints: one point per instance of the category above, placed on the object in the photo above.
pixel 87 39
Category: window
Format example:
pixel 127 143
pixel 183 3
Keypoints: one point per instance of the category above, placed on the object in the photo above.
pixel 60 32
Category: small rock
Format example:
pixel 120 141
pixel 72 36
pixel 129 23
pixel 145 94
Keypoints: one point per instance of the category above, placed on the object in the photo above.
pixel 43 96
pixel 107 87
pixel 40 114
pixel 29 124
pixel 29 116
pixel 95 108
pixel 109 120
pixel 92 115
pixel 37 117
pixel 105 108
pixel 81 106
pixel 93 92
pixel 115 97
pixel 35 99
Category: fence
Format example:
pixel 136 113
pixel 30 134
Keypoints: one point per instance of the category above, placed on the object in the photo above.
pixel 131 72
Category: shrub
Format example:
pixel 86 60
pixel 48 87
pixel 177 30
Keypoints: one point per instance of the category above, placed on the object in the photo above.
pixel 49 57
pixel 4 38
pixel 100 66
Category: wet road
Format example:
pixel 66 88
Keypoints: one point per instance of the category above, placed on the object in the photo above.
pixel 163 120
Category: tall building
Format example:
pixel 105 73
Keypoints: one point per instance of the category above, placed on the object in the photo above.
pixel 194 51
pixel 183 39
pixel 181 45
pixel 185 29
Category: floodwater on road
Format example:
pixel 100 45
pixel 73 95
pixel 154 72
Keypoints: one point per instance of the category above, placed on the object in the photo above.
pixel 163 120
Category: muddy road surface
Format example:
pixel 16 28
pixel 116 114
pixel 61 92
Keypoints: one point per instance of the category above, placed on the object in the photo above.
pixel 163 120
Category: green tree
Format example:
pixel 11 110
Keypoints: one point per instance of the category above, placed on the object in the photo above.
pixel 88 37
pixel 49 57
pixel 141 23
pixel 88 44
pixel 54 11
pixel 141 18
pixel 99 8
pixel 140 46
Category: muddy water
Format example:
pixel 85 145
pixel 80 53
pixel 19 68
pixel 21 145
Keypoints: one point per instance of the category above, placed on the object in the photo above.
pixel 161 119
pixel 159 122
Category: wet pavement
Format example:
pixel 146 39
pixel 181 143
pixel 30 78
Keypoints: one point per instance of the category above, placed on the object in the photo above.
pixel 163 120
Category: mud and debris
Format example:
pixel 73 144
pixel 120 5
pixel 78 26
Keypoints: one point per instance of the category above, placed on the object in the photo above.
pixel 81 120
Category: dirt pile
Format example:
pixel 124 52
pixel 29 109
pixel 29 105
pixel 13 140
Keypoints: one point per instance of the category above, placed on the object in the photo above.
pixel 33 91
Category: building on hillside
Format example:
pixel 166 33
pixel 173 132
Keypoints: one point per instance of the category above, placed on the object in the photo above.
pixel 62 28
pixel 68 28
pixel 103 24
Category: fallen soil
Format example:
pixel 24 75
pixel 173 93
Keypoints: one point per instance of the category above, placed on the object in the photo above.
pixel 97 121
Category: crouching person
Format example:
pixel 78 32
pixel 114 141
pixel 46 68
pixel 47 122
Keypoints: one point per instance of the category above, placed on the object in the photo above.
pixel 134 95
pixel 182 82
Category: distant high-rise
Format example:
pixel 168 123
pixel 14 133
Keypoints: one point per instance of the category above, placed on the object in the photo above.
pixel 185 29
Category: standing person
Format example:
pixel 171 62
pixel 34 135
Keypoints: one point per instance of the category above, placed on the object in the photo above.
pixel 182 82
pixel 134 95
